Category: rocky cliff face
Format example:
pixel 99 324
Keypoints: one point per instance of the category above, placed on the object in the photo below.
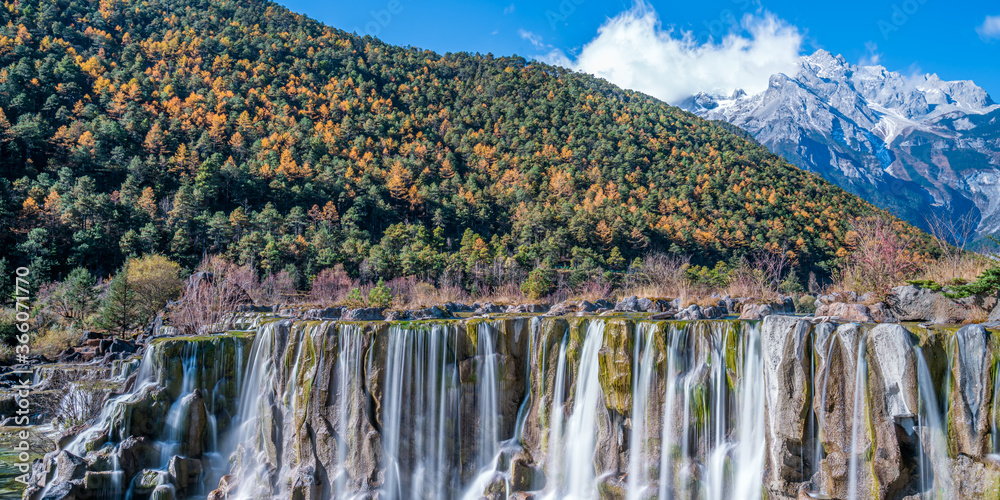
pixel 547 407
pixel 911 145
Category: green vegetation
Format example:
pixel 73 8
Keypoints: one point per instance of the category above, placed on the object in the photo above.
pixel 241 129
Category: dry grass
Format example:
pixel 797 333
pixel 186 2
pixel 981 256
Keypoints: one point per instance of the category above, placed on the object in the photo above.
pixel 54 341
pixel 964 267
pixel 412 293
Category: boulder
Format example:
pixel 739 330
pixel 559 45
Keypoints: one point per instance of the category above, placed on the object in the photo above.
pixel 653 305
pixel 135 454
pixel 729 305
pixel 321 314
pixel 433 312
pixel 364 314
pixel 489 308
pixel 995 315
pixel 913 303
pixel 713 312
pixel 969 414
pixel 628 304
pixel 853 313
pixel 755 311
pixel 693 312
pixel 528 308
pixel 184 471
pixel 786 369
pixel 456 307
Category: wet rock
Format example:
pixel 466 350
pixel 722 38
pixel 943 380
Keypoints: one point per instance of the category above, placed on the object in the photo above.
pixel 786 369
pixel 163 492
pixel 99 480
pixel 433 312
pixel 227 484
pixel 853 313
pixel 524 476
pixel 628 304
pixel 693 312
pixel 528 308
pixel 136 454
pixel 321 314
pixel 755 311
pixel 69 467
pixel 920 304
pixel 974 479
pixel 364 314
pixel 970 407
pixel 253 309
pixel 489 308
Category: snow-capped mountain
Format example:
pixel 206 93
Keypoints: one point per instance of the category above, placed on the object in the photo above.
pixel 912 145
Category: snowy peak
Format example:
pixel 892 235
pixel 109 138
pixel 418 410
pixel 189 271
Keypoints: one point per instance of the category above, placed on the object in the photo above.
pixel 912 144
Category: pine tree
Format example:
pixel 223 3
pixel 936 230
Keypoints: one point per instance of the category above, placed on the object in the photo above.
pixel 120 308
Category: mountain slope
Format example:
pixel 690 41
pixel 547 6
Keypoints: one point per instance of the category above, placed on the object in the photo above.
pixel 189 127
pixel 913 146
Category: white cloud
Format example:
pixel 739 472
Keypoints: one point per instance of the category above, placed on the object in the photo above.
pixel 535 39
pixel 509 9
pixel 990 29
pixel 872 55
pixel 633 50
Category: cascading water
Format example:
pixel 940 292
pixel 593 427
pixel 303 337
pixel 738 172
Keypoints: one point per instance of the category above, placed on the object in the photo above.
pixel 935 479
pixel 422 393
pixel 627 407
pixel 858 419
pixel 639 446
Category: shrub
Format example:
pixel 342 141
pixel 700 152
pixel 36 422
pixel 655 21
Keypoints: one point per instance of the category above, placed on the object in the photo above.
pixel 156 280
pixel 879 258
pixel 330 285
pixel 540 283
pixel 380 296
pixel 354 298
pixel 210 301
pixel 51 342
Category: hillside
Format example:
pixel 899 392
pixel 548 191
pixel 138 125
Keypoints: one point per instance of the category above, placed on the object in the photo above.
pixel 190 127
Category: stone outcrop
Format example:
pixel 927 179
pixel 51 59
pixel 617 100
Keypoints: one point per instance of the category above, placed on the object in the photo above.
pixel 913 303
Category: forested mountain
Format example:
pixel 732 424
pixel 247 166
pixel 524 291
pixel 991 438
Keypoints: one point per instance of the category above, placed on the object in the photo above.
pixel 193 127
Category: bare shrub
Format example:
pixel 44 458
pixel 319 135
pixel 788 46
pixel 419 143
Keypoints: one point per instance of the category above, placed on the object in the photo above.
pixel 880 258
pixel 595 288
pixel 81 404
pixel 331 285
pixel 210 302
pixel 659 275
pixel 276 288
pixel 760 276
pixel 955 265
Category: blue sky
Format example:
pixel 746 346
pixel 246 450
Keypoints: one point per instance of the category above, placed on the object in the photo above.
pixel 956 39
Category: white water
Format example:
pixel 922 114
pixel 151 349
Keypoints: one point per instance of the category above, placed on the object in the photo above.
pixel 933 456
pixel 422 392
pixel 749 456
pixel 556 417
pixel 487 395
pixel 350 354
pixel 639 453
pixel 860 388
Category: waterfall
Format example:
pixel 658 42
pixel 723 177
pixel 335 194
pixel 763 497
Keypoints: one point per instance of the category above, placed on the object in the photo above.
pixel 678 338
pixel 626 407
pixel 642 364
pixel 860 385
pixel 350 355
pixel 934 462
pixel 422 392
pixel 487 390
pixel 557 415
pixel 749 456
